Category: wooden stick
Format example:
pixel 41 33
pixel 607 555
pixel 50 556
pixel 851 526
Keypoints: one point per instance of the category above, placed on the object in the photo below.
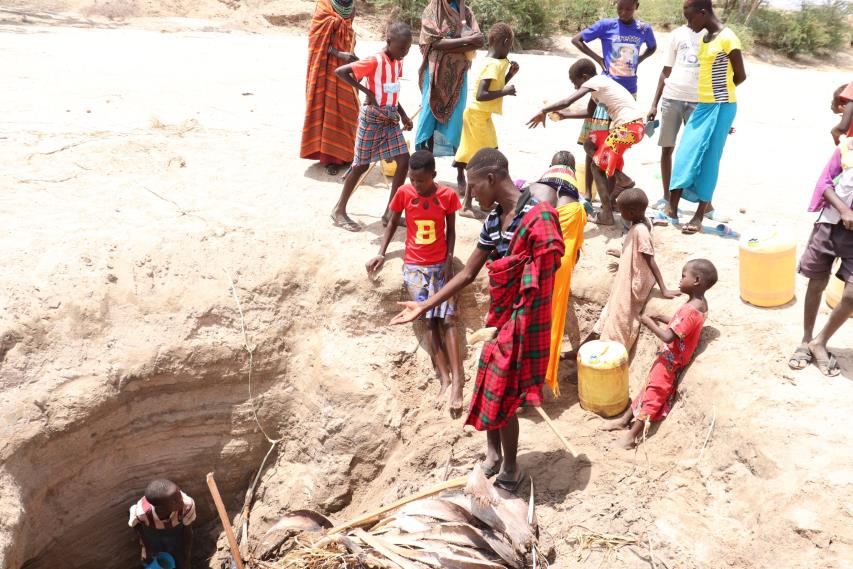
pixel 375 515
pixel 226 523
pixel 566 444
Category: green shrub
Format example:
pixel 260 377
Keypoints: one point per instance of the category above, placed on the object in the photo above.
pixel 814 29
pixel 529 18
pixel 575 15
pixel 744 34
pixel 662 14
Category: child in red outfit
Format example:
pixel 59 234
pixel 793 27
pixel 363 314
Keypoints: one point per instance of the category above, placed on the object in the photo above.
pixel 427 263
pixel 680 338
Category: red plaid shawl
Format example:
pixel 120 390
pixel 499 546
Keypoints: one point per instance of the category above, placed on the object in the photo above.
pixel 512 366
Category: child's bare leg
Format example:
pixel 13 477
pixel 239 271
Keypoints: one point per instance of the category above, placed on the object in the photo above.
pixel 494 453
pixel 400 174
pixel 509 444
pixel 666 169
pixel 629 439
pixel 604 184
pixel 621 422
pixel 440 358
pixel 339 212
pixel 837 318
pixel 814 292
pixel 588 179
pixel 460 178
pixel 451 342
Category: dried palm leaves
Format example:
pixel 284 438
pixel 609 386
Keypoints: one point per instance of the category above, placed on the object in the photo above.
pixel 477 527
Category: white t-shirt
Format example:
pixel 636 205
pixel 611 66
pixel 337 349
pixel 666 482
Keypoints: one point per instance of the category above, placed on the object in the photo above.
pixel 683 56
pixel 621 105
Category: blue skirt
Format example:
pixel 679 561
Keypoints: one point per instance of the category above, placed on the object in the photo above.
pixel 697 159
pixel 446 137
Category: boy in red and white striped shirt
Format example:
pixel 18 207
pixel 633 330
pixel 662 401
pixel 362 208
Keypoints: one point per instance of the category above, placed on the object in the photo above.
pixel 379 135
pixel 162 519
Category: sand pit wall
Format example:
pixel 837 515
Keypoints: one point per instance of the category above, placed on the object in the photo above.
pixel 160 390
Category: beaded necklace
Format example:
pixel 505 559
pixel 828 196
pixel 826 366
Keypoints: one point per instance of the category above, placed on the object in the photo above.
pixel 344 8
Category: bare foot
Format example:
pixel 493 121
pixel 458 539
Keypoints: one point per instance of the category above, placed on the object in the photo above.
pixel 442 396
pixel 615 425
pixel 626 442
pixel 471 214
pixel 456 405
pixel 601 218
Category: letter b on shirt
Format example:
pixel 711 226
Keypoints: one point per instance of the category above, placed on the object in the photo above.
pixel 426 231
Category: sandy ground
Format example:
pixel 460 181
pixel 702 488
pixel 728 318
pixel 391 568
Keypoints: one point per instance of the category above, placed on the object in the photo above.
pixel 140 166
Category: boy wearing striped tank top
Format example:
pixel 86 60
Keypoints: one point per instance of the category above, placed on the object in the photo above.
pixel 379 135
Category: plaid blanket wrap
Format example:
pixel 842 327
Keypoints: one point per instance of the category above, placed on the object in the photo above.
pixel 512 366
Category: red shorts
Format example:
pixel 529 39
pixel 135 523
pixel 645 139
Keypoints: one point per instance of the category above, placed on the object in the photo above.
pixel 655 401
pixel 611 145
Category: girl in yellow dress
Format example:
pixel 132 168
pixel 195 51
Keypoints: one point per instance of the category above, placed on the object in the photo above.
pixel 478 130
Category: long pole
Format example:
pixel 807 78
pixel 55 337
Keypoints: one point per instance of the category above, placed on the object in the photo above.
pixel 226 523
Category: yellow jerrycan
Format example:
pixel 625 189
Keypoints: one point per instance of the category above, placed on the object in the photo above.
pixel 603 377
pixel 768 266
pixel 835 288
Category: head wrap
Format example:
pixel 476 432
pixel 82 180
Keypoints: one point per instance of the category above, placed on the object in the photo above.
pixel 562 179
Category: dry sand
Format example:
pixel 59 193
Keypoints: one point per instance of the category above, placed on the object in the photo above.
pixel 142 167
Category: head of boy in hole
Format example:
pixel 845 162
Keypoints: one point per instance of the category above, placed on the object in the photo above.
pixel 165 496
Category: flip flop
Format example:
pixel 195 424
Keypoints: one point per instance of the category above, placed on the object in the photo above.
pixel 802 357
pixel 715 215
pixel 828 367
pixel 722 230
pixel 492 470
pixel 661 218
pixel 690 229
pixel 349 224
pixel 660 204
pixel 511 485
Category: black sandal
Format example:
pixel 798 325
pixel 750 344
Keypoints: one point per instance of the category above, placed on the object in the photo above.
pixel 801 358
pixel 511 485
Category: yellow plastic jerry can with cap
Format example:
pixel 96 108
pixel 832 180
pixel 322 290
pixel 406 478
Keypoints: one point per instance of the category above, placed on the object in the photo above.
pixel 835 288
pixel 603 377
pixel 768 266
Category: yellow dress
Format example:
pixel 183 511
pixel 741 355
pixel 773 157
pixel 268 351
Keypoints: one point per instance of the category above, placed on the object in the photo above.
pixel 572 222
pixel 478 130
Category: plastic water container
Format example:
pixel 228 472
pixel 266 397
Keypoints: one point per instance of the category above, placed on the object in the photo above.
pixel 389 167
pixel 835 289
pixel 603 377
pixel 768 265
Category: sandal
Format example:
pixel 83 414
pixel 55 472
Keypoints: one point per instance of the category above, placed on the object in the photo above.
pixel 332 169
pixel 801 358
pixel 690 229
pixel 347 224
pixel 828 367
pixel 511 485
pixel 492 470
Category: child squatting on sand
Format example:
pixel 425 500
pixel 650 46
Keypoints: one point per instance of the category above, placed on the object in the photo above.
pixel 679 340
pixel 428 263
